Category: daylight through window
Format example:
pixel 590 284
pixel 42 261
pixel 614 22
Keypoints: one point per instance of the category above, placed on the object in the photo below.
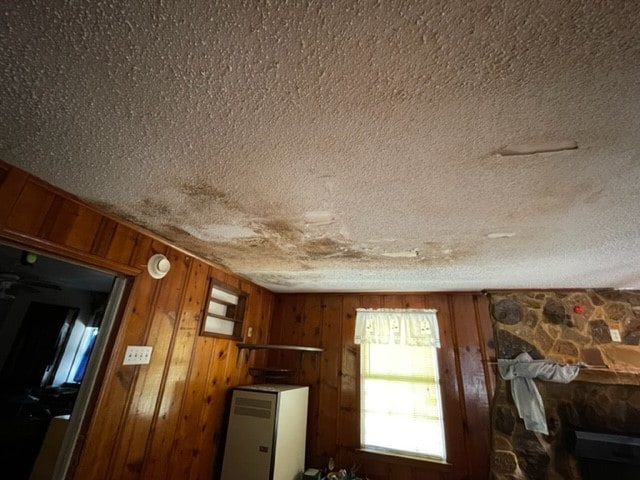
pixel 401 406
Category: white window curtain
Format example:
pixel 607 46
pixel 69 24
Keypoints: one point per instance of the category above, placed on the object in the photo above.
pixel 389 326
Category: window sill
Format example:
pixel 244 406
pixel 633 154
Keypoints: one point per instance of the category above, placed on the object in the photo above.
pixel 420 462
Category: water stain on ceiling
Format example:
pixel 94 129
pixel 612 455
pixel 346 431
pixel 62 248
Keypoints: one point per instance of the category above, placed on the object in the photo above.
pixel 343 145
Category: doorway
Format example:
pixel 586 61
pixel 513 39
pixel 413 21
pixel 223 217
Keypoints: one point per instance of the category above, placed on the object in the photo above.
pixel 55 321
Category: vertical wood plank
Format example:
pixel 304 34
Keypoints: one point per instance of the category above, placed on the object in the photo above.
pixel 74 225
pixel 197 397
pixel 309 366
pixel 262 324
pixel 30 210
pixel 122 245
pixel 4 171
pixel 348 432
pixel 104 236
pixel 276 334
pixel 293 325
pixel 329 396
pixel 113 401
pixel 487 344
pixel 469 353
pixel 13 182
pixel 376 470
pixel 449 383
pixel 159 451
pixel 212 418
pixel 401 471
pixel 130 453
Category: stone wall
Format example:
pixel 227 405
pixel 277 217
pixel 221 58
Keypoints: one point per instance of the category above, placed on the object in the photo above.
pixel 567 327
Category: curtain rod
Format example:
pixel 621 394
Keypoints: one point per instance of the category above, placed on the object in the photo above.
pixel 581 365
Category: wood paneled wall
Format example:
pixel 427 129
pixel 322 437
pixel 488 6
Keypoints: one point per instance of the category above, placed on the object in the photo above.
pixel 158 421
pixel 328 321
pixel 165 420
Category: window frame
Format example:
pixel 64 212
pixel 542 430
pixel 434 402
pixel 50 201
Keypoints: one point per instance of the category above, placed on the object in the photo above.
pixel 237 313
pixel 447 390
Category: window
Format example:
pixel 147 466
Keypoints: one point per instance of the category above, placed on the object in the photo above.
pixel 85 348
pixel 401 406
pixel 224 311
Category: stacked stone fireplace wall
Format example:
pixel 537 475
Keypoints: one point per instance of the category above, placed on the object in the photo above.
pixel 566 327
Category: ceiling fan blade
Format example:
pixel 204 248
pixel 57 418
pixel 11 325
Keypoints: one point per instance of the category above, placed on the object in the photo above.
pixel 24 288
pixel 40 284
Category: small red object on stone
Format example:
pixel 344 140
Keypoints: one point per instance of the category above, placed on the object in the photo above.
pixel 578 309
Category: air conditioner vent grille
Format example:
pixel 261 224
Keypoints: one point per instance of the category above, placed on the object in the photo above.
pixel 252 407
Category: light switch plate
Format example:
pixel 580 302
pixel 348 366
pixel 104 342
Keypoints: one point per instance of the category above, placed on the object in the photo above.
pixel 615 335
pixel 137 355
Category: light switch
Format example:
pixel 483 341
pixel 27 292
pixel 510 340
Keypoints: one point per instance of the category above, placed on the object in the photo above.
pixel 615 335
pixel 137 355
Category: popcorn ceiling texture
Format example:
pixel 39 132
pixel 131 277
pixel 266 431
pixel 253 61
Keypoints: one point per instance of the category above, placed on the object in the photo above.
pixel 342 145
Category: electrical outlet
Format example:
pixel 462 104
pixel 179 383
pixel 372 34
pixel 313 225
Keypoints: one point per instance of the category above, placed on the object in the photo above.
pixel 249 332
pixel 137 355
pixel 615 335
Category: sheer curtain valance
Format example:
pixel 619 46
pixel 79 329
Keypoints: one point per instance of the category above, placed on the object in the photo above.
pixel 391 326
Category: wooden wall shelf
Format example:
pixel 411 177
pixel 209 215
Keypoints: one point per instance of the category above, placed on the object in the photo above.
pixel 267 346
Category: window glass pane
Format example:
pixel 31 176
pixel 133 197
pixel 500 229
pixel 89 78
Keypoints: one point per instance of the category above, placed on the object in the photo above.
pixel 401 404
pixel 404 434
pixel 417 400
pixel 400 359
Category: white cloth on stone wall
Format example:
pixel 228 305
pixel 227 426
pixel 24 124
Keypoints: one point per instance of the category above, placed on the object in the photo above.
pixel 521 371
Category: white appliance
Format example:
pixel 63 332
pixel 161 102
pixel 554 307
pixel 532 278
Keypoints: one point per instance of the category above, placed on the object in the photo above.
pixel 267 432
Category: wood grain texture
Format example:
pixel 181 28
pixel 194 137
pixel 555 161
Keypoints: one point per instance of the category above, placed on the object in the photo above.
pixel 164 420
pixel 474 385
pixel 333 429
pixel 30 210
pixel 186 330
pixel 13 181
pixel 167 420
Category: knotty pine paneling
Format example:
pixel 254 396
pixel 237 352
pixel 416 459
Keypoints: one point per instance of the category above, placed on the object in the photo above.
pixel 164 420
pixel 328 321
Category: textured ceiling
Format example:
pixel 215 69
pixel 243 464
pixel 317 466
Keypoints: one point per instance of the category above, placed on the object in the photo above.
pixel 343 145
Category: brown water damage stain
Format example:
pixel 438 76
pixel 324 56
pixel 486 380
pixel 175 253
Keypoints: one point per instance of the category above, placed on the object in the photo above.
pixel 190 243
pixel 327 247
pixel 142 213
pixel 153 208
pixel 445 253
pixel 238 255
pixel 115 210
pixel 279 279
pixel 201 196
pixel 322 247
pixel 253 242
pixel 281 245
pixel 278 229
pixel 202 190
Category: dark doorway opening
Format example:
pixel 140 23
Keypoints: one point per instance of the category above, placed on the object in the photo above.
pixel 51 318
pixel 37 348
